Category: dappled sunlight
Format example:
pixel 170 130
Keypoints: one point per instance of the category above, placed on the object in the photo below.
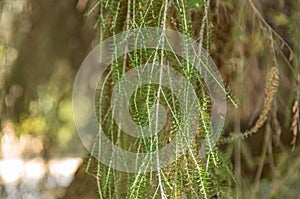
pixel 17 169
pixel 39 150
pixel 11 170
pixel 34 169
pixel 63 170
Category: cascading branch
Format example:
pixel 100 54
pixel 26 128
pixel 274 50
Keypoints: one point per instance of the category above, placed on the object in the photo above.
pixel 191 175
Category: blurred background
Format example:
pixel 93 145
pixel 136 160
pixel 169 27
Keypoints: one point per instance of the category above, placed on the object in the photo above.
pixel 42 44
